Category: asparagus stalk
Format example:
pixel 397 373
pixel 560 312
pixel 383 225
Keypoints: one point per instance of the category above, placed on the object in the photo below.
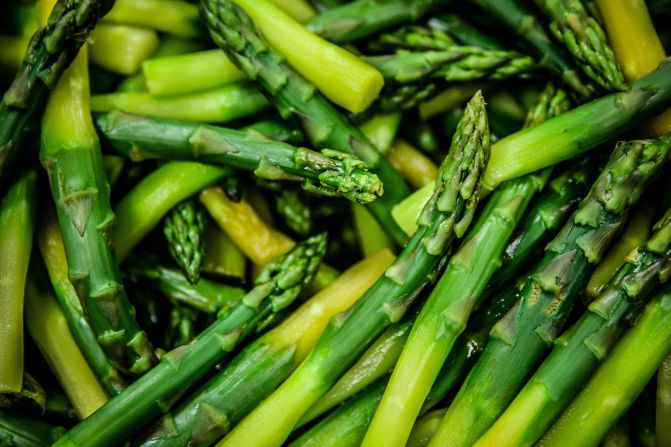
pixel 663 406
pixel 70 153
pixel 156 194
pixel 216 407
pixel 50 243
pixel 299 10
pixel 17 220
pixel 464 32
pixel 276 288
pixel 122 48
pixel 381 130
pixel 582 35
pixel 233 30
pixel 51 50
pixel 445 315
pixel 19 430
pixel 361 18
pixel 618 381
pixel 329 172
pixel 184 230
pixel 527 331
pixel 176 17
pixel 424 428
pixel 642 415
pixel 48 327
pixel 446 216
pixel 372 237
pixel 417 168
pixel 226 103
pixel 278 130
pixel 222 257
pixel 579 350
pixel 413 38
pixel 294 210
pixel 521 21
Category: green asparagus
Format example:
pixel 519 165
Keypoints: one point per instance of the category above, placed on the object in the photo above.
pixel 184 230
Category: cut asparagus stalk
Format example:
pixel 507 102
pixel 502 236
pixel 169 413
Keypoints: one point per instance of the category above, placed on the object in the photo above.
pixel 174 17
pixel 122 48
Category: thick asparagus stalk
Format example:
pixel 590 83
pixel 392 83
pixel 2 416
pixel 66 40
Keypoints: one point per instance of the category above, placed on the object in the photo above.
pixel 184 231
pixel 122 48
pixel 446 215
pixel 621 378
pixel 262 366
pixel 579 351
pixel 585 39
pixel 276 287
pixel 51 50
pixel 233 30
pixel 445 315
pixel 70 153
pixel 527 331
pixel 329 172
pixel 17 220
pixel 361 18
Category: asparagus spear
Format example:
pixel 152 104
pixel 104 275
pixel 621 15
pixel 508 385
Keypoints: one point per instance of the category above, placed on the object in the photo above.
pixel 277 286
pixel 358 19
pixel 618 381
pixel 233 30
pixel 22 431
pixel 582 35
pixel 446 215
pixel 521 338
pixel 329 172
pixel 412 38
pixel 579 350
pixel 215 408
pixel 424 428
pixel 51 50
pixel 185 231
pixel 70 153
pixel 294 210
pixel 17 220
pixel 445 315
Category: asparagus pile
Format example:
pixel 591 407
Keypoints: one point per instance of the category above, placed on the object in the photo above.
pixel 335 223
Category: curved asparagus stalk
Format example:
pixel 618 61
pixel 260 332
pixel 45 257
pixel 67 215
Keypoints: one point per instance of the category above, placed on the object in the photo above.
pixel 586 41
pixel 445 315
pixel 71 155
pixel 527 331
pixel 51 50
pixel 184 230
pixel 361 18
pixel 579 350
pixel 17 221
pixel 277 286
pixel 618 381
pixel 328 172
pixel 234 32
pixel 215 408
pixel 446 216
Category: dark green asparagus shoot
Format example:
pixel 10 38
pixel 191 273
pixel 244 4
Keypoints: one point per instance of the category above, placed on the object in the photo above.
pixel 446 216
pixel 277 287
pixel 584 37
pixel 325 126
pixel 294 210
pixel 51 50
pixel 579 350
pixel 327 172
pixel 526 333
pixel 185 232
pixel 412 38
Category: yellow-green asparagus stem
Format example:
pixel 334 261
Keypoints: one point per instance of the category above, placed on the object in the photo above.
pixel 122 48
pixel 418 169
pixel 176 17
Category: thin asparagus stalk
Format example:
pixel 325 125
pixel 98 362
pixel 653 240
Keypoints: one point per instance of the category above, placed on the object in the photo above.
pixel 184 230
pixel 174 17
pixel 372 237
pixel 618 381
pixel 234 31
pixel 663 407
pixel 381 130
pixel 226 103
pixel 328 172
pixel 222 256
pixel 145 205
pixel 202 70
pixel 522 21
pixel 445 315
pixel 276 287
pixel 50 243
pixel 263 364
pixel 446 215
pixel 19 430
pixel 416 168
pixel 358 19
pixel 424 428
pixel 48 327
pixel 347 425
pixel 582 35
pixel 51 50
pixel 17 219
pixel 122 48
pixel 578 351
pixel 70 153
pixel 205 295
pixel 527 331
